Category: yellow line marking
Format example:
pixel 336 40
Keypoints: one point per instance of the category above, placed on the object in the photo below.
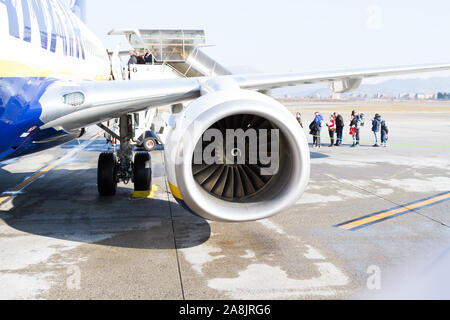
pixel 175 191
pixel 41 172
pixel 393 212
pixel 3 199
pixel 148 194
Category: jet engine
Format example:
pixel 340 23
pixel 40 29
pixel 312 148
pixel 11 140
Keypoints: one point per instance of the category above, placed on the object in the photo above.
pixel 236 155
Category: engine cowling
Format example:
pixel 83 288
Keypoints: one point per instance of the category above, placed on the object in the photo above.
pixel 235 187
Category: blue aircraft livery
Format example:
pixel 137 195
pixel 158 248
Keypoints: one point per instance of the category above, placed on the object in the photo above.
pixel 43 42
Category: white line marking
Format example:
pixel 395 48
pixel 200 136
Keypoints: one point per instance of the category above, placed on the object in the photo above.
pixel 272 226
pixel 313 254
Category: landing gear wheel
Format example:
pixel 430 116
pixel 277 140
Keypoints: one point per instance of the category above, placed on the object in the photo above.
pixel 142 169
pixel 106 174
pixel 149 144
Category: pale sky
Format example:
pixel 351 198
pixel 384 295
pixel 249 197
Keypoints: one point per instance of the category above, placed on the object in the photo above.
pixel 288 35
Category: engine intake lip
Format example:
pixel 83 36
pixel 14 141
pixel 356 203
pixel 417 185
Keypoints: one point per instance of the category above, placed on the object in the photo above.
pixel 283 192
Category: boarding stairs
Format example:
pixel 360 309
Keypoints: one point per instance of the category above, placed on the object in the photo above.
pixel 177 53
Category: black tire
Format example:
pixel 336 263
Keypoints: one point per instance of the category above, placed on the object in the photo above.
pixel 149 144
pixel 142 171
pixel 106 174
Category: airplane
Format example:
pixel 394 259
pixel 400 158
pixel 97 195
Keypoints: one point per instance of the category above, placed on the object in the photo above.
pixel 55 80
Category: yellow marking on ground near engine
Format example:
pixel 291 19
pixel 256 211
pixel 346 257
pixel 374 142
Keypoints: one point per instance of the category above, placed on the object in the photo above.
pixel 148 194
pixel 175 191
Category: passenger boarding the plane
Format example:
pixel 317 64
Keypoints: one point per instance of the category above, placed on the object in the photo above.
pixel 140 58
pixel 133 59
pixel 148 57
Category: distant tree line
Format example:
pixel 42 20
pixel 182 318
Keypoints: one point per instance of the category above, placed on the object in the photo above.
pixel 443 96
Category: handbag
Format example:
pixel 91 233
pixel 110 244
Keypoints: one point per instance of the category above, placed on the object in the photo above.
pixel 352 131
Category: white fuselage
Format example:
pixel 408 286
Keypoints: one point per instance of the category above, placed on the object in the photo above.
pixel 45 39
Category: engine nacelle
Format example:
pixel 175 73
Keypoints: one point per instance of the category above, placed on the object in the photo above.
pixel 236 186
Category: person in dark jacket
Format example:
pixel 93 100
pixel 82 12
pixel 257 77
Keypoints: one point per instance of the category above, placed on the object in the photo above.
pixel 376 127
pixel 315 132
pixel 148 57
pixel 318 119
pixel 133 59
pixel 298 116
pixel 339 128
pixel 384 133
pixel 314 129
pixel 140 58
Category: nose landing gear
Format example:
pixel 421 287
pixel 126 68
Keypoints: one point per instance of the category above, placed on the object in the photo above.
pixel 142 171
pixel 106 174
pixel 115 167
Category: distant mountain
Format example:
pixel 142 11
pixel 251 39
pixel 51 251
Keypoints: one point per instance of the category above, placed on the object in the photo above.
pixel 391 87
pixel 302 91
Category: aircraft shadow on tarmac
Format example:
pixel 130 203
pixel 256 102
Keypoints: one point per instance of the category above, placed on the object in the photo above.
pixel 317 155
pixel 5 184
pixel 65 205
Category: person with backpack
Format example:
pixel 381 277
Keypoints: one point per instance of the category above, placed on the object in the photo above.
pixel 376 127
pixel 339 128
pixel 359 123
pixel 384 133
pixel 331 124
pixel 315 127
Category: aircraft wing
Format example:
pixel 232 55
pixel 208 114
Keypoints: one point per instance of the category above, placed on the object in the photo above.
pixel 92 102
pixel 111 99
pixel 342 81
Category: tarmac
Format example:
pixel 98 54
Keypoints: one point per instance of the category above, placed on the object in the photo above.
pixel 373 223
